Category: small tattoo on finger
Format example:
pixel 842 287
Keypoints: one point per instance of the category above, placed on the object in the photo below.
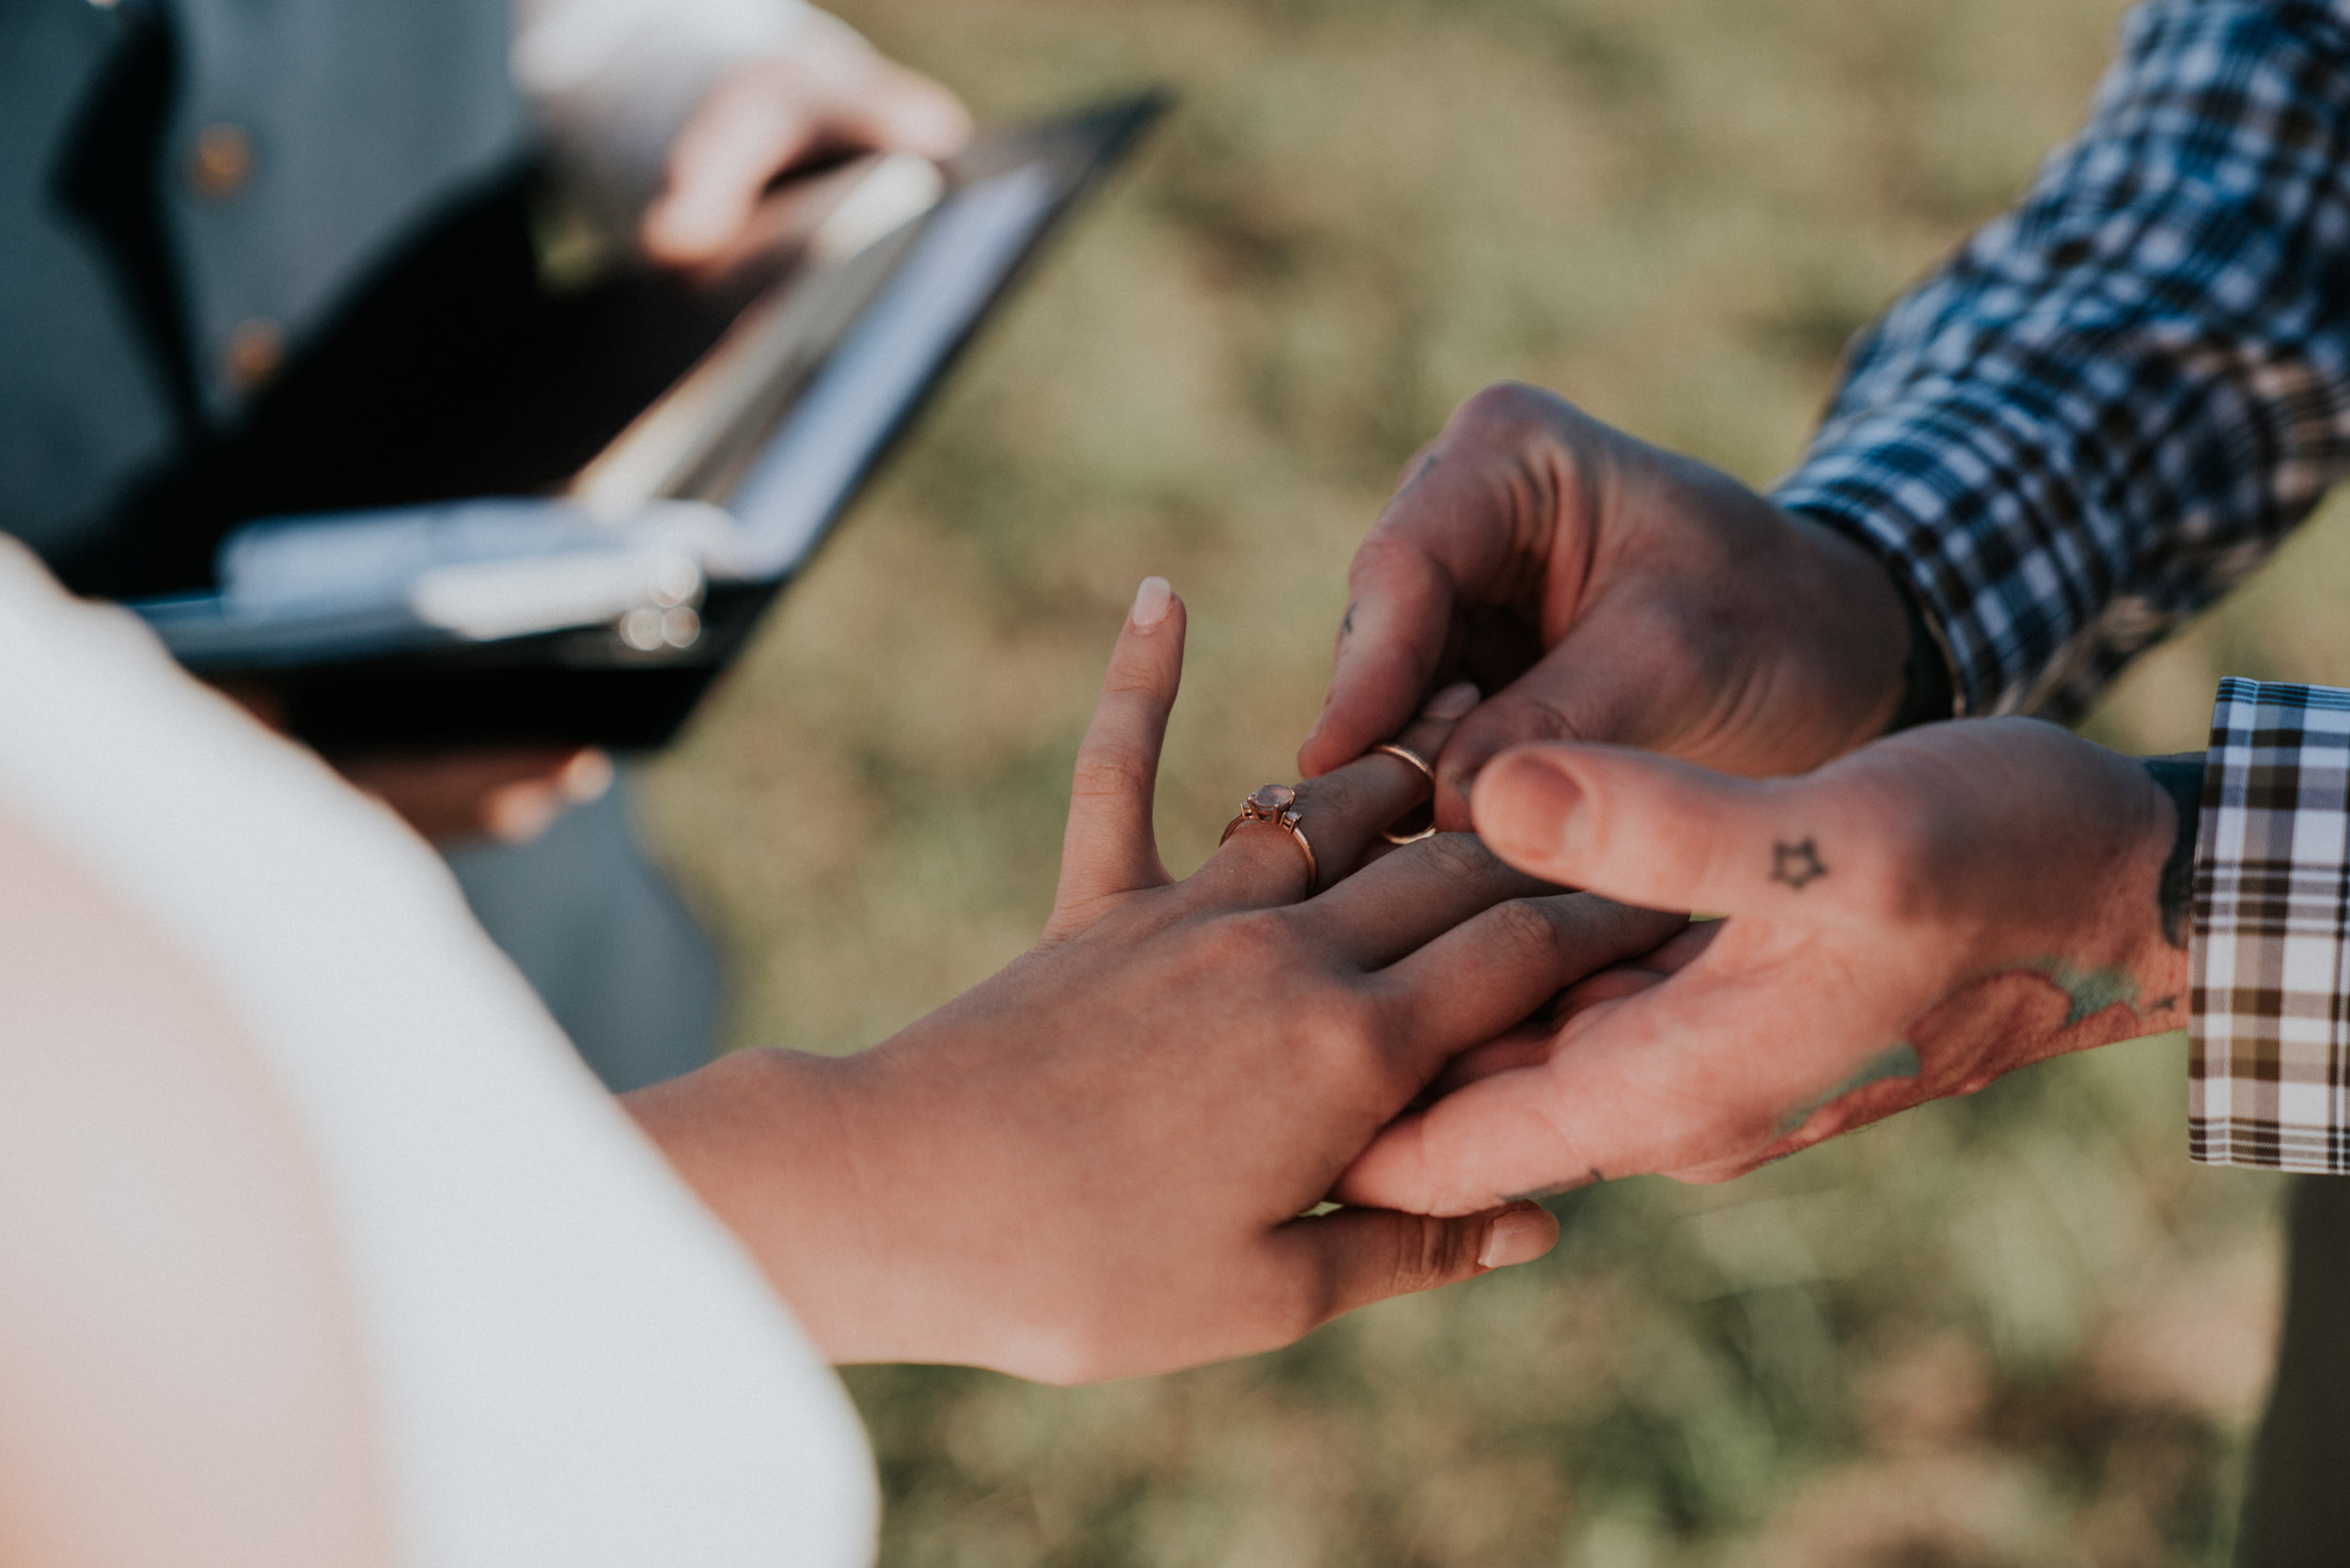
pixel 1796 864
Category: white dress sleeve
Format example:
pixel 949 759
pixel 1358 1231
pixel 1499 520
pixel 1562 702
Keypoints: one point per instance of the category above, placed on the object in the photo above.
pixel 571 1360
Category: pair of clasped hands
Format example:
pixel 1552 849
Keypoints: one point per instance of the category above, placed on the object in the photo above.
pixel 1113 1157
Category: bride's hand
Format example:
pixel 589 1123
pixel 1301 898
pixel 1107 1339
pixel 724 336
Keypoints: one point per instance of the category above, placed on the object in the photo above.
pixel 1094 1164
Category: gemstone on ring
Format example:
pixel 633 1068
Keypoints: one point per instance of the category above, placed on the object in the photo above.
pixel 1270 801
pixel 1276 804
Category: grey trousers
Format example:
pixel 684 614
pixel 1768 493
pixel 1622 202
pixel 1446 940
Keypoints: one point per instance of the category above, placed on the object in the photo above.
pixel 2296 1506
pixel 602 937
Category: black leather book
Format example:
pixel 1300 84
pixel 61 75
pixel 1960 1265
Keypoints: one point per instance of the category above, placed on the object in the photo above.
pixel 496 506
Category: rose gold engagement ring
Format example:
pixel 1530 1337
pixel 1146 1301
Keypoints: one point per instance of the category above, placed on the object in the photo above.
pixel 1406 754
pixel 1276 804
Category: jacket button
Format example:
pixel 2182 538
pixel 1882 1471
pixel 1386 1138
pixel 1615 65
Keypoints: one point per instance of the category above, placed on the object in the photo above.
pixel 222 161
pixel 255 350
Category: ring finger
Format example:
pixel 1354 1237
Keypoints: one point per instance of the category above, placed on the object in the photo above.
pixel 1293 839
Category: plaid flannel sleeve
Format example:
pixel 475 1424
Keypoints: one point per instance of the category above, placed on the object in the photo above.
pixel 2269 1067
pixel 2113 401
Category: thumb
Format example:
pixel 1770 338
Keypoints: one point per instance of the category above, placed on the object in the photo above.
pixel 1663 834
pixel 1360 1256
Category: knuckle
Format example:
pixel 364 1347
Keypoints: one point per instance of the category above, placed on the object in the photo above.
pixel 1529 927
pixel 1332 794
pixel 1110 773
pixel 1513 407
pixel 1250 938
pixel 1346 1035
pixel 1128 681
pixel 1343 1028
pixel 1541 713
pixel 1427 1252
pixel 1463 856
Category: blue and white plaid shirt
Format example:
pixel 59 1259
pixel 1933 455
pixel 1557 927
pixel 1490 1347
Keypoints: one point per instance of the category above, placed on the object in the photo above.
pixel 2105 409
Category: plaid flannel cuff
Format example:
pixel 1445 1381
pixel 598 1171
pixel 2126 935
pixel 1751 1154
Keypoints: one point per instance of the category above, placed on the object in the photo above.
pixel 2269 1068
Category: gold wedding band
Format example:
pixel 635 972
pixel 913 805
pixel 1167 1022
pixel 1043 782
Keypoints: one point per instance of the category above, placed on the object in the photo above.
pixel 1406 754
pixel 1276 804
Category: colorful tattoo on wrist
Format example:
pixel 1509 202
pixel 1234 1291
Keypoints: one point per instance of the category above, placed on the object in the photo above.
pixel 1796 864
pixel 2087 992
pixel 2182 780
pixel 1897 1060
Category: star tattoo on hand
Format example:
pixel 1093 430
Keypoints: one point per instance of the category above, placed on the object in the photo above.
pixel 1796 864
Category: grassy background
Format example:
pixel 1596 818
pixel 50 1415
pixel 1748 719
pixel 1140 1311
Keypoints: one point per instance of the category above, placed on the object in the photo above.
pixel 2021 1329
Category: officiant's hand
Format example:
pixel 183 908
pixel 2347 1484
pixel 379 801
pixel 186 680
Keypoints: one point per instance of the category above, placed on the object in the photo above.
pixel 1909 922
pixel 1094 1164
pixel 830 92
pixel 509 795
pixel 1605 590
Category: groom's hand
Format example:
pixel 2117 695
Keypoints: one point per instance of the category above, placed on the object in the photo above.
pixel 1605 590
pixel 1909 922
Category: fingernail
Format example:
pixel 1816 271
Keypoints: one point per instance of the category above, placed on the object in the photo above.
pixel 1519 1234
pixel 1452 702
pixel 1151 602
pixel 1527 802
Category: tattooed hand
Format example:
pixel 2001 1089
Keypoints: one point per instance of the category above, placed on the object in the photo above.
pixel 1605 590
pixel 1911 922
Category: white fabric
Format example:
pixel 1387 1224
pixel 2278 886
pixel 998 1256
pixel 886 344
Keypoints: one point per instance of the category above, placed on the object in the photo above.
pixel 574 1363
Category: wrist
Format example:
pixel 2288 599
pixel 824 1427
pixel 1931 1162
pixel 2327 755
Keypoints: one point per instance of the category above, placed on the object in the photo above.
pixel 2181 779
pixel 2049 852
pixel 775 1144
pixel 1871 629
pixel 1929 695
pixel 2131 924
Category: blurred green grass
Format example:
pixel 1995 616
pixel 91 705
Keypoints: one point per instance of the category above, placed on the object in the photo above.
pixel 2021 1329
